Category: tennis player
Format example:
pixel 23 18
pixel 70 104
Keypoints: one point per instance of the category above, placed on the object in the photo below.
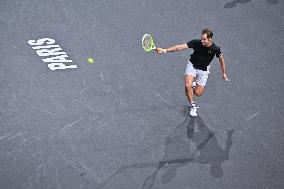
pixel 197 69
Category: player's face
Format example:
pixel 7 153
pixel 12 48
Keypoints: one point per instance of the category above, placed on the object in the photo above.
pixel 205 41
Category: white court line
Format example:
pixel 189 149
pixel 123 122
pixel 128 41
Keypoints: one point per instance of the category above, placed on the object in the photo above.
pixel 70 125
pixel 83 90
pixel 252 116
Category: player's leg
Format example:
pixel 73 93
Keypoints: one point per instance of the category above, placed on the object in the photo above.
pixel 188 79
pixel 201 79
pixel 189 94
pixel 198 90
pixel 190 74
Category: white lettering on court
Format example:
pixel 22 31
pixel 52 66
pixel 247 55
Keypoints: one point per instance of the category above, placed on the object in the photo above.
pixel 52 54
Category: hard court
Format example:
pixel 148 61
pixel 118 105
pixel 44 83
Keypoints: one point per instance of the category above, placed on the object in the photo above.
pixel 123 122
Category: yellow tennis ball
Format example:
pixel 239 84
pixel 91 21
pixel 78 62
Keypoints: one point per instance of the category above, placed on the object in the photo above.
pixel 91 60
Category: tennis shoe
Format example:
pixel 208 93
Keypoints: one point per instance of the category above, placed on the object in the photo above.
pixel 193 110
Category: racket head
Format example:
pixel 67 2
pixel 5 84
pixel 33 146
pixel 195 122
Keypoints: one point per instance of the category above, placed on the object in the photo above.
pixel 148 43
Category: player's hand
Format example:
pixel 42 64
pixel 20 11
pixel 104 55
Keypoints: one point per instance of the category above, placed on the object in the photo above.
pixel 161 50
pixel 225 77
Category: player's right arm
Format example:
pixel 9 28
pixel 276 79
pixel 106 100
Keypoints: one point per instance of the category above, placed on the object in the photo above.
pixel 174 48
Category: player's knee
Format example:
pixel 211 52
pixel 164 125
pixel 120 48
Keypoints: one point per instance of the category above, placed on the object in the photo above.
pixel 198 92
pixel 188 85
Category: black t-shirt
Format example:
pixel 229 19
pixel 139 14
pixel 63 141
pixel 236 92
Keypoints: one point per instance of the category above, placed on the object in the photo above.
pixel 202 56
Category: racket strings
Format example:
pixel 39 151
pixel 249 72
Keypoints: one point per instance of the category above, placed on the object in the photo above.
pixel 147 42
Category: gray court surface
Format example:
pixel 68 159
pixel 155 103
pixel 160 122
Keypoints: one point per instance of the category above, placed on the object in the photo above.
pixel 123 121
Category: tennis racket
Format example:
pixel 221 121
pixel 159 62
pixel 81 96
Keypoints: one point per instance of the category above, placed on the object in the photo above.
pixel 148 43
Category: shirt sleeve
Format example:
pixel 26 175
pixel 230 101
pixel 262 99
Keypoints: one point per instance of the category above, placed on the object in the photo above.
pixel 218 53
pixel 192 43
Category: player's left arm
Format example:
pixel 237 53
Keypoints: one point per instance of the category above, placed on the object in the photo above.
pixel 223 67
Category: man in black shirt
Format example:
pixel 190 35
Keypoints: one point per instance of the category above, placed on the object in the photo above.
pixel 197 68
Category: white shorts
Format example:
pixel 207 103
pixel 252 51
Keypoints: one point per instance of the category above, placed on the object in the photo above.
pixel 199 75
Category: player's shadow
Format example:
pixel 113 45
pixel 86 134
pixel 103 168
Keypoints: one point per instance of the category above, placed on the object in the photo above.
pixel 190 142
pixel 234 3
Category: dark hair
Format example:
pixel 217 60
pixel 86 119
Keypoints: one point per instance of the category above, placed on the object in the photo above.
pixel 208 32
